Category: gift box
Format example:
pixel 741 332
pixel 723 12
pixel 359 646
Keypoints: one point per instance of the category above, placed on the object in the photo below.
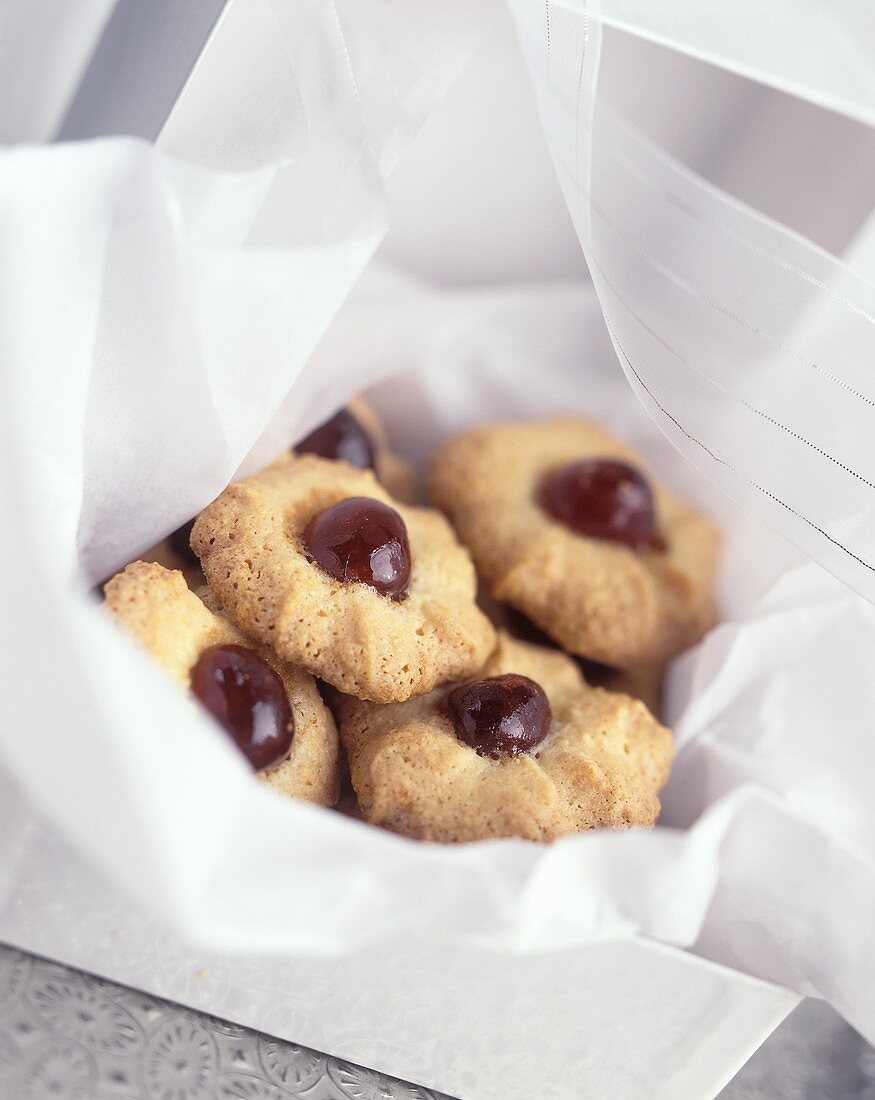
pixel 360 196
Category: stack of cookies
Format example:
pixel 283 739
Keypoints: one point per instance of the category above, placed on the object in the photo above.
pixel 488 667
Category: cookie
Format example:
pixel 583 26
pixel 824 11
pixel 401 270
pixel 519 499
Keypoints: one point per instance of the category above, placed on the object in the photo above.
pixel 601 760
pixel 179 627
pixel 564 526
pixel 315 559
pixel 355 435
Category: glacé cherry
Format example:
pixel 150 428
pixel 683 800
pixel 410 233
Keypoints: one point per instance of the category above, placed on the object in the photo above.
pixel 248 698
pixel 501 715
pixel 602 498
pixel 363 540
pixel 340 437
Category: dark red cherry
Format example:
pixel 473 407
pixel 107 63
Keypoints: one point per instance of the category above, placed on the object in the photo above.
pixel 180 542
pixel 340 437
pixel 247 696
pixel 361 540
pixel 603 499
pixel 500 716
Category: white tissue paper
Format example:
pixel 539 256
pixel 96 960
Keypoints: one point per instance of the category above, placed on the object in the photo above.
pixel 160 312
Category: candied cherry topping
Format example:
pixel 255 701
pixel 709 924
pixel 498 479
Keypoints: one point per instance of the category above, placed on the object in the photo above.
pixel 180 541
pixel 602 498
pixel 247 696
pixel 364 540
pixel 501 715
pixel 340 437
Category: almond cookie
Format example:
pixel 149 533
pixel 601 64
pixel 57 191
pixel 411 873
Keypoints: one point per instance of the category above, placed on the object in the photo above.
pixel 272 710
pixel 315 559
pixel 528 750
pixel 355 435
pixel 564 526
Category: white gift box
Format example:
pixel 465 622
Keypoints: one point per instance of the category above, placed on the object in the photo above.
pixel 632 1018
pixel 160 325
